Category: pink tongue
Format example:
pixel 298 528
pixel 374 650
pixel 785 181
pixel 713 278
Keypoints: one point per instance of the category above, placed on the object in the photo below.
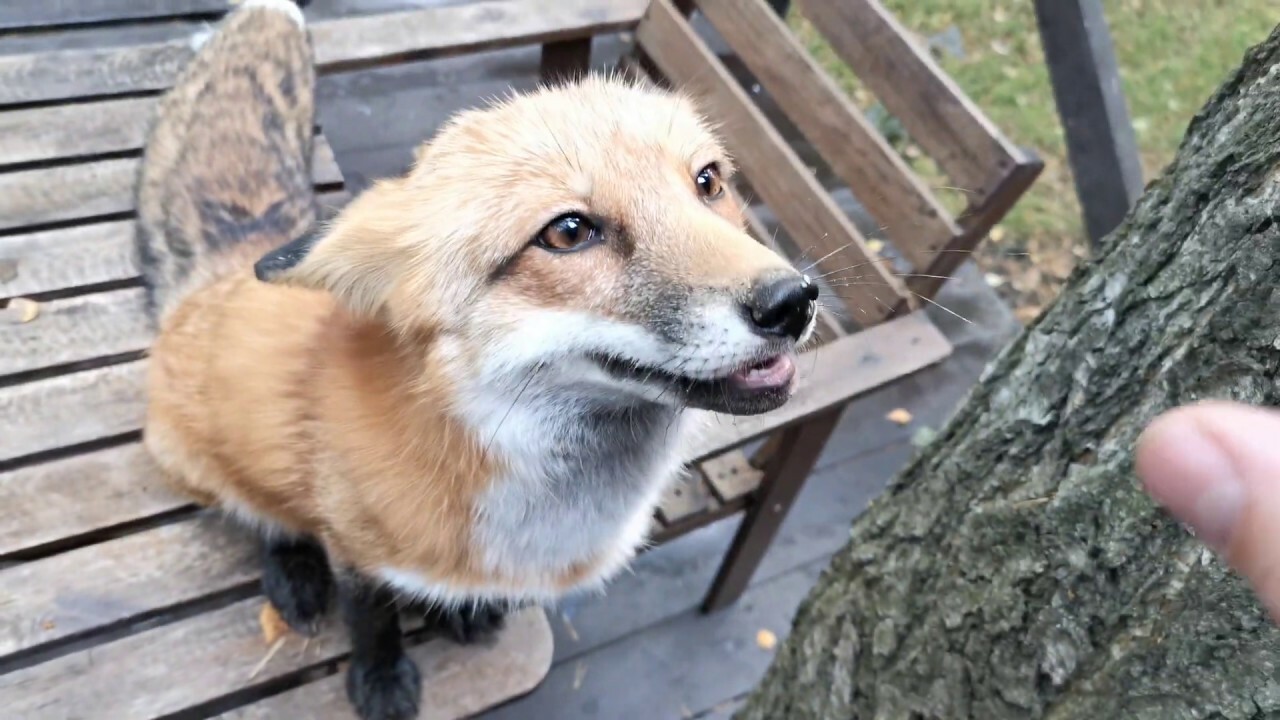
pixel 773 373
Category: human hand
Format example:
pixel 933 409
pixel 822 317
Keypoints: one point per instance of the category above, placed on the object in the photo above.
pixel 1216 467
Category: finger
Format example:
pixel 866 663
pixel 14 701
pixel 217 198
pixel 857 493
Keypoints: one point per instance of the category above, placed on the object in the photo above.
pixel 1216 466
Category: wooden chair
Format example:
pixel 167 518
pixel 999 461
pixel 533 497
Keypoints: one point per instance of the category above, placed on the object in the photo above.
pixel 119 600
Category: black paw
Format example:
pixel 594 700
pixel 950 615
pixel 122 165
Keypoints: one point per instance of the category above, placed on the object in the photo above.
pixel 298 581
pixel 470 623
pixel 388 691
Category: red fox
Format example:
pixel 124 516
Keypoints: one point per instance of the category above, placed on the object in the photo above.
pixel 469 389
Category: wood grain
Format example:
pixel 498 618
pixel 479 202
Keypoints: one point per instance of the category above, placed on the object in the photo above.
pixel 808 213
pixel 339 44
pixel 908 212
pixel 731 475
pixel 43 13
pixel 83 255
pixel 58 131
pixel 457 681
pixel 946 124
pixel 52 501
pixel 101 187
pixel 71 409
pixel 832 375
pixel 688 496
pixel 74 329
pixel 121 580
pixel 67 257
pixel 209 656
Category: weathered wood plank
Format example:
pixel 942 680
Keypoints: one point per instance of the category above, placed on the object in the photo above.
pixel 832 375
pixel 457 681
pixel 52 501
pixel 340 43
pixel 46 133
pixel 39 262
pixel 71 409
pixel 69 257
pixel 933 109
pixel 206 657
pixel 125 579
pixel 42 13
pixel 102 187
pixel 771 166
pixel 688 496
pixel 78 328
pixel 731 475
pixel 908 212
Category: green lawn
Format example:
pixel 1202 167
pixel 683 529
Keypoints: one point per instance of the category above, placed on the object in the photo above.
pixel 1172 55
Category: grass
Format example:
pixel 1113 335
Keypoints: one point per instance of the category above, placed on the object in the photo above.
pixel 1172 54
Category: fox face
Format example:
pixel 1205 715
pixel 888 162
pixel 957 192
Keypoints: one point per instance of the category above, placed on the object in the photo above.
pixel 582 233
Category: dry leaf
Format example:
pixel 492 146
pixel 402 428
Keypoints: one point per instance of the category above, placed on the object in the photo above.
pixel 875 246
pixel 766 639
pixel 1000 47
pixel 20 310
pixel 1027 314
pixel 996 234
pixel 901 416
pixel 48 624
pixel 273 626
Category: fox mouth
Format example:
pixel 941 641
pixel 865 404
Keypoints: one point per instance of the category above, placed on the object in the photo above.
pixel 754 387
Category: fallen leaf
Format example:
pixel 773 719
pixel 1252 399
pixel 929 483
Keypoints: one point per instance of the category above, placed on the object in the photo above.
pixel 1000 47
pixel 900 416
pixel 997 233
pixel 48 624
pixel 766 639
pixel 20 310
pixel 1027 314
pixel 273 626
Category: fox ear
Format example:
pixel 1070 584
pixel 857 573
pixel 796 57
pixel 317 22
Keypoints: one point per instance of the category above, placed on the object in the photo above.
pixel 353 260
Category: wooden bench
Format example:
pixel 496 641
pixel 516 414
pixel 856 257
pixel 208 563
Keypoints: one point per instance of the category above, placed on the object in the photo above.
pixel 119 600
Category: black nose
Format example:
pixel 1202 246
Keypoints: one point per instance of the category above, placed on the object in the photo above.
pixel 782 305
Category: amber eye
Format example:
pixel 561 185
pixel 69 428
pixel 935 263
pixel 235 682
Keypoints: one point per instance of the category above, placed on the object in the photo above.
pixel 709 185
pixel 568 232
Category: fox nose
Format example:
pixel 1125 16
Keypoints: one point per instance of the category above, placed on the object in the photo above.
pixel 782 305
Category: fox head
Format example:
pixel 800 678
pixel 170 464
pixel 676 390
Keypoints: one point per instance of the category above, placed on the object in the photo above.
pixel 582 232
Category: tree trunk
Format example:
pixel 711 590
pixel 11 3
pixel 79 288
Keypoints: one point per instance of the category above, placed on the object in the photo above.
pixel 1015 569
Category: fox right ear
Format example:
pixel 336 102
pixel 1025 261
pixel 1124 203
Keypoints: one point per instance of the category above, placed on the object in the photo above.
pixel 351 260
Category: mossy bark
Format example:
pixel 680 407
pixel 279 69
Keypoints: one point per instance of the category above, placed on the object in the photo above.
pixel 1015 568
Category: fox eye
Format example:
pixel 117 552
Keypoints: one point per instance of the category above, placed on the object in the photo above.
pixel 709 185
pixel 568 233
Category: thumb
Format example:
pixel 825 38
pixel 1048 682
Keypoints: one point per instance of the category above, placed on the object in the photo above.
pixel 1216 467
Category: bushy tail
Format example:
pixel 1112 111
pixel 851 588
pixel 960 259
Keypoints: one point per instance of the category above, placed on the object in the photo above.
pixel 226 171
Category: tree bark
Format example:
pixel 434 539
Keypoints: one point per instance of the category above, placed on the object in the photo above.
pixel 1015 568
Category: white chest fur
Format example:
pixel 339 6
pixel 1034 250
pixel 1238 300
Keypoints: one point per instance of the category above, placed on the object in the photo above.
pixel 582 480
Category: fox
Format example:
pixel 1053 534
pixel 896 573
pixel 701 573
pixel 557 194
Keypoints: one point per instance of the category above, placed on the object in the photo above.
pixel 468 390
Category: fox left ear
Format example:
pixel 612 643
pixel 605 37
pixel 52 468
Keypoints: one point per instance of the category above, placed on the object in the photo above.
pixel 354 258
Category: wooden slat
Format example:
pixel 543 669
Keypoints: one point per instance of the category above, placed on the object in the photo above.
pixel 122 580
pixel 207 657
pixel 771 166
pixel 933 109
pixel 339 43
pixel 39 262
pixel 731 475
pixel 46 133
pixel 102 187
pixel 688 496
pixel 74 329
pixel 42 13
pixel 69 257
pixel 71 409
pixel 832 375
pixel 50 502
pixel 908 212
pixel 457 681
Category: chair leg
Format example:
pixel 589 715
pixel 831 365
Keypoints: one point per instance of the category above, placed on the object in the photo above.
pixel 565 60
pixel 792 460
